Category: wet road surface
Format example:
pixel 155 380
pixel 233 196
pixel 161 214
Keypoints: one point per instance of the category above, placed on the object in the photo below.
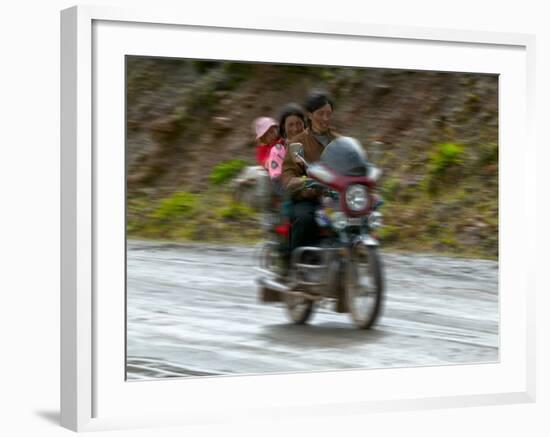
pixel 193 310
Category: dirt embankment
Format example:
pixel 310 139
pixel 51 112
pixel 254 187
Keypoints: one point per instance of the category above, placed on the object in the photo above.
pixel 434 134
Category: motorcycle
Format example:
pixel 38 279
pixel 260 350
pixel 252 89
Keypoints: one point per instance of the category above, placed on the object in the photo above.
pixel 344 270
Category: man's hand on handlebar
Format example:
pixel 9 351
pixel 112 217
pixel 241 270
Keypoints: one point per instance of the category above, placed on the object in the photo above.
pixel 310 189
pixel 304 187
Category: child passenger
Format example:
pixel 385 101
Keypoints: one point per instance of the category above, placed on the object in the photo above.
pixel 266 130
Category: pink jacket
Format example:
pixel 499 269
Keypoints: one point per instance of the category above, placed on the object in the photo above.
pixel 274 163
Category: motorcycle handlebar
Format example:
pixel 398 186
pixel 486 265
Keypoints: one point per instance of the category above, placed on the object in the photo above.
pixel 310 183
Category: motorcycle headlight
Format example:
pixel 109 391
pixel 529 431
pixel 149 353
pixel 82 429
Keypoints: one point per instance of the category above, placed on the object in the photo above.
pixel 356 197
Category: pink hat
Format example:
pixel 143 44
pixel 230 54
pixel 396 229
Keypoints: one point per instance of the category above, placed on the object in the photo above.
pixel 262 124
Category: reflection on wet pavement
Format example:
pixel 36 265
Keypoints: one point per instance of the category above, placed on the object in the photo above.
pixel 193 310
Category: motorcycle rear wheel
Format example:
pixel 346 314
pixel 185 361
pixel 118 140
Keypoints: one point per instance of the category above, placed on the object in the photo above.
pixel 299 309
pixel 364 285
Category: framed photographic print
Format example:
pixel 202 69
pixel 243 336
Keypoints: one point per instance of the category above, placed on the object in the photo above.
pixel 273 220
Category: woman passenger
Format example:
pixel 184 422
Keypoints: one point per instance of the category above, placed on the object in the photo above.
pixel 291 123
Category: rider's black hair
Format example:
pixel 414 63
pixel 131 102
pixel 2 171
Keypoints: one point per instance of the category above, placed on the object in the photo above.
pixel 287 111
pixel 318 99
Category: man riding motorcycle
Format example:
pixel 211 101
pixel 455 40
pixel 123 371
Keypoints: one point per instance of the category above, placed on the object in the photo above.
pixel 334 258
pixel 314 139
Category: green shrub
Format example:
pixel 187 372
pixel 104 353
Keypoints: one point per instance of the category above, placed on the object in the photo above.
pixel 226 171
pixel 180 204
pixel 445 156
pixel 449 241
pixel 236 211
pixel 443 164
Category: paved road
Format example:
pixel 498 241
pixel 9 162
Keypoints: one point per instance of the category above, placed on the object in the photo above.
pixel 193 310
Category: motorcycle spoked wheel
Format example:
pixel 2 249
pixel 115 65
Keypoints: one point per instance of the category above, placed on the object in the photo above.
pixel 299 309
pixel 364 285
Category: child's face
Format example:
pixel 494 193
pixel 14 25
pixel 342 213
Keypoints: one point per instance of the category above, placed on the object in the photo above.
pixel 270 135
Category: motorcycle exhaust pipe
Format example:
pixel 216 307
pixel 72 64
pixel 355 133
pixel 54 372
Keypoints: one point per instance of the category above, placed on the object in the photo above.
pixel 265 272
pixel 282 288
pixel 274 285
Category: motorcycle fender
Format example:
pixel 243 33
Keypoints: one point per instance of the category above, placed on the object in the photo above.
pixel 267 295
pixel 369 241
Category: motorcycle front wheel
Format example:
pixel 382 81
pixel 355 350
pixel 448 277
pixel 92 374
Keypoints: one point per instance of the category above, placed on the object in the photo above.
pixel 364 285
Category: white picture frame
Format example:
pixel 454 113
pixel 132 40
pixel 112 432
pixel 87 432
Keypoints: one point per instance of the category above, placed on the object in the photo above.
pixel 93 394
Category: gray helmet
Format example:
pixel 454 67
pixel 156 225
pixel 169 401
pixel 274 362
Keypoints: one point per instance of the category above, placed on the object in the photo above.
pixel 346 156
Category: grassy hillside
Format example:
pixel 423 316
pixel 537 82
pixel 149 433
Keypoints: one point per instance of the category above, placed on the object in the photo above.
pixel 435 135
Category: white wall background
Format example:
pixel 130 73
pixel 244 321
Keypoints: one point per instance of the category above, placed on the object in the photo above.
pixel 29 215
